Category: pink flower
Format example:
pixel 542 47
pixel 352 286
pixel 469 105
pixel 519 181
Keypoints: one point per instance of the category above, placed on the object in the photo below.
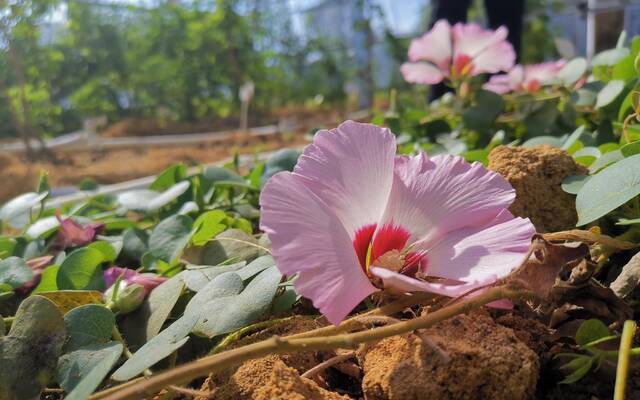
pixel 147 280
pixel 353 218
pixel 71 233
pixel 458 51
pixel 528 78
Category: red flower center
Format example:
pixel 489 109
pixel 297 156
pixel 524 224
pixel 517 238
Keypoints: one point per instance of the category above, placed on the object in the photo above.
pixel 462 65
pixel 370 245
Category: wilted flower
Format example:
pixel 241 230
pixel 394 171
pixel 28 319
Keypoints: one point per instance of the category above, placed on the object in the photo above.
pixel 527 78
pixel 353 218
pixel 458 51
pixel 71 233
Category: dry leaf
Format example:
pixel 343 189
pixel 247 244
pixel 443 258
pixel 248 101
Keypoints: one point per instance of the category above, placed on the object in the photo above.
pixel 628 279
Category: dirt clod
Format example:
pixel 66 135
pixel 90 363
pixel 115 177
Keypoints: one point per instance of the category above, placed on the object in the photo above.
pixel 536 174
pixel 486 361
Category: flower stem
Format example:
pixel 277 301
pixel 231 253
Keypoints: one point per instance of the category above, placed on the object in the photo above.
pixel 277 345
pixel 622 372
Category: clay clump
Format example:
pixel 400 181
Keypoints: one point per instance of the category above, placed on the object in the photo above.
pixel 483 361
pixel 536 173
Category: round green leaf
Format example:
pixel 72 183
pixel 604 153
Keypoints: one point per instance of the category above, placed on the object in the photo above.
pixel 170 237
pixel 609 189
pixel 631 149
pixel 574 183
pixel 15 272
pixel 81 270
pixel 80 372
pixel 591 330
pixel 87 325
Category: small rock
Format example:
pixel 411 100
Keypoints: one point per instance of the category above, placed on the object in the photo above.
pixel 486 361
pixel 536 174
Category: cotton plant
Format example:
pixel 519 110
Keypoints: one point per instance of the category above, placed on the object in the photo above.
pixel 353 219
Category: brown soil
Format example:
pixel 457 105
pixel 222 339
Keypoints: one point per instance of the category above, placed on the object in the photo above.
pixel 487 361
pixel 536 174
pixel 242 382
pixel 112 166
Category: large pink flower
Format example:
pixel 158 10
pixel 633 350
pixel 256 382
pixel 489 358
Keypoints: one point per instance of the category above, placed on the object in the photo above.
pixel 528 78
pixel 461 50
pixel 353 218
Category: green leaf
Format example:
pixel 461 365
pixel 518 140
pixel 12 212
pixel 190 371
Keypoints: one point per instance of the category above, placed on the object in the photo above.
pixel 256 266
pixel 572 71
pixel 81 270
pixel 48 280
pixel 609 57
pixel 196 277
pixel 580 366
pixel 159 304
pixel 15 272
pixel 550 140
pixel 169 177
pixel 88 325
pixel 170 237
pixel 16 211
pixel 586 155
pixel 224 285
pixel 149 200
pixel 573 138
pixel 226 314
pixel 134 243
pixel 109 253
pixel 625 221
pixel 156 349
pixel 479 155
pixel 605 160
pixel 482 115
pixel 590 331
pixel 29 354
pixel 572 184
pixel 283 159
pixel 81 371
pixel 208 225
pixel 630 149
pixel 230 244
pixel 609 93
pixel 608 190
pixel 7 245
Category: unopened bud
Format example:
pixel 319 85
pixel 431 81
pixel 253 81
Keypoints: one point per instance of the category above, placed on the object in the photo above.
pixel 127 299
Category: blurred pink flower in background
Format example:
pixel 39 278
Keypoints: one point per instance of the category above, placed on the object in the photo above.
pixel 129 277
pixel 527 78
pixel 461 50
pixel 353 218
pixel 71 233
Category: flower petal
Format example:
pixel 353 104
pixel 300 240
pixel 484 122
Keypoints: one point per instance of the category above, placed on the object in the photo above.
pixel 431 197
pixel 421 73
pixel 433 46
pixel 495 58
pixel 544 73
pixel 309 239
pixel 350 169
pixel 480 253
pixel 498 84
pixel 402 283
